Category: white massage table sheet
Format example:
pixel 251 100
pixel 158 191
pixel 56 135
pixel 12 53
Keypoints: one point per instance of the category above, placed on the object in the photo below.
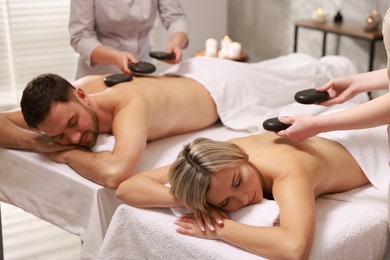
pixel 56 193
pixel 345 230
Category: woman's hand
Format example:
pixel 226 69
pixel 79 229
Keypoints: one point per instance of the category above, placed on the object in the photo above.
pixel 179 41
pixel 123 59
pixel 188 225
pixel 302 127
pixel 340 90
pixel 207 221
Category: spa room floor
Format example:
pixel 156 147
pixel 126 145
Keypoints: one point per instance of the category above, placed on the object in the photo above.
pixel 26 237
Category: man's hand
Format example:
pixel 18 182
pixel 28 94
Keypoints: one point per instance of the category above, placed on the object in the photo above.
pixel 46 144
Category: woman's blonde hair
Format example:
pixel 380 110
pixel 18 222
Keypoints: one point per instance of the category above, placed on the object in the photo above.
pixel 190 174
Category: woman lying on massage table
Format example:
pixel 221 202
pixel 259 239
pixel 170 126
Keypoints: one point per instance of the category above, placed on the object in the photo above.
pixel 211 177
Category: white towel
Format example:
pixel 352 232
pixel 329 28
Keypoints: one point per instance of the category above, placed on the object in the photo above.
pixel 370 149
pixel 266 213
pixel 351 227
pixel 344 230
pixel 136 233
pixel 247 94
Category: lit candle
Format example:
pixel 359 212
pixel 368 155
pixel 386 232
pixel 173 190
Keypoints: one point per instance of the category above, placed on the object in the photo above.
pixel 225 42
pixel 319 15
pixel 211 47
pixel 373 20
pixel 223 53
pixel 234 50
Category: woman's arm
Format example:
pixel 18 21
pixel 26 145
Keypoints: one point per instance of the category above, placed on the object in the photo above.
pixel 147 190
pixel 291 240
pixel 370 114
pixel 344 88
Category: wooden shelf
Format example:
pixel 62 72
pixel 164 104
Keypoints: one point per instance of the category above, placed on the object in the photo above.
pixel 347 28
pixel 243 57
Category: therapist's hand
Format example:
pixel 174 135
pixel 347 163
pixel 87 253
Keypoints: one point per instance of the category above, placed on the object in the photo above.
pixel 175 50
pixel 302 127
pixel 179 41
pixel 123 59
pixel 106 55
pixel 340 90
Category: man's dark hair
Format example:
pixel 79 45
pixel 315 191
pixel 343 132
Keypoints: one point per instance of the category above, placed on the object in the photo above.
pixel 40 93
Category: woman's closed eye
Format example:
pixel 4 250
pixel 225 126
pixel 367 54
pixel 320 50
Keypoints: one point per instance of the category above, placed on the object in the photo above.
pixel 237 183
pixel 223 203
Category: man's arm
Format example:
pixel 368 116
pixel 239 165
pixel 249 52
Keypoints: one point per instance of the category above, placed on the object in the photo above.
pixel 130 128
pixel 15 134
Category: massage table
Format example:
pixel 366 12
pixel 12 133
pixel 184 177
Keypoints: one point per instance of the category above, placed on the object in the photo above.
pixel 57 194
pixel 350 225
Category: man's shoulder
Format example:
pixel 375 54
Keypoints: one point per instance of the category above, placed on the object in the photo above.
pixel 91 84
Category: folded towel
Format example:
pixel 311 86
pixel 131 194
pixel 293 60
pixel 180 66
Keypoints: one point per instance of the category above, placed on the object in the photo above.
pixel 266 213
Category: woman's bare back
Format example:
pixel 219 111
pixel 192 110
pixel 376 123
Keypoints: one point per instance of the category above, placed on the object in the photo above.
pixel 326 163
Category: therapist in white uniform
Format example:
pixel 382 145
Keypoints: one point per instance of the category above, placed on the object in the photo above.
pixel 110 34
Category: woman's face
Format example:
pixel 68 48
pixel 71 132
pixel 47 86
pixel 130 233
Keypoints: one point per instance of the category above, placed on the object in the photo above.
pixel 232 189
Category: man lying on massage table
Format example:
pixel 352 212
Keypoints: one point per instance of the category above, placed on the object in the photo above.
pixel 148 108
pixel 211 177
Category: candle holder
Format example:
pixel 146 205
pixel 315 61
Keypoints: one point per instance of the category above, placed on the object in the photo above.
pixel 319 15
pixel 372 21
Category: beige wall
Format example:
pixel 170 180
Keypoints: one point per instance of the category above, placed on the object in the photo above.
pixel 265 28
pixel 208 18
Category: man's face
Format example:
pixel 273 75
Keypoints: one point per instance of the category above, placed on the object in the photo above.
pixel 71 123
pixel 232 189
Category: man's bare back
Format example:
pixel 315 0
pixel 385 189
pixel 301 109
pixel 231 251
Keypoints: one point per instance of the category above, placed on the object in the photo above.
pixel 326 163
pixel 144 109
pixel 173 105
